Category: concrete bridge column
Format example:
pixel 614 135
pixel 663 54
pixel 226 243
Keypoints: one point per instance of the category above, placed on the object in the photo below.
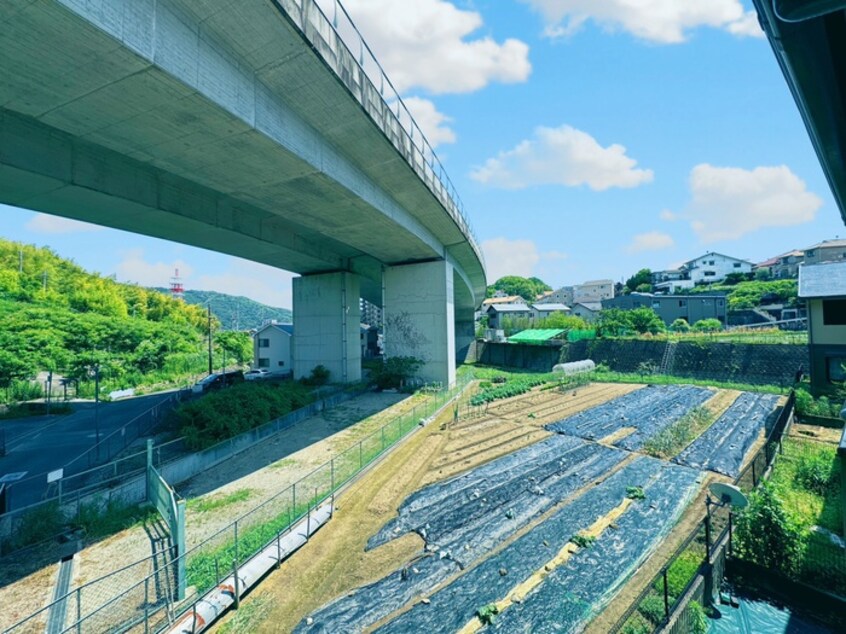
pixel 465 335
pixel 419 319
pixel 326 326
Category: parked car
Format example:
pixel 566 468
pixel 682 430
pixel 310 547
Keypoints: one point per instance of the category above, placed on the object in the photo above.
pixel 218 380
pixel 257 374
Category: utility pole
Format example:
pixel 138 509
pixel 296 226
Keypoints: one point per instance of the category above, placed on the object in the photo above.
pixel 97 407
pixel 20 261
pixel 211 369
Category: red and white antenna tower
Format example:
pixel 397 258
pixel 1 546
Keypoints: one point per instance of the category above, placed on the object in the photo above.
pixel 177 290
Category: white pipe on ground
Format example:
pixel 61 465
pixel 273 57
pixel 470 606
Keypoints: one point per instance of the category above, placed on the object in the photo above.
pixel 208 609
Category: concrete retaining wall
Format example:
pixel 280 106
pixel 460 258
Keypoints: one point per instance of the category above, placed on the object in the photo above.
pixel 774 364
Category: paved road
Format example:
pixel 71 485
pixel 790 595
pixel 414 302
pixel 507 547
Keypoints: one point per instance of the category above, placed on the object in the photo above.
pixel 35 446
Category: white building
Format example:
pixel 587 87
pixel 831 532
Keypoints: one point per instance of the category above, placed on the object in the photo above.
pixel 272 347
pixel 714 267
pixel 593 291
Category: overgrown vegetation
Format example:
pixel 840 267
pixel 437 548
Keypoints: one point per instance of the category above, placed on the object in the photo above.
pixel 487 613
pixel 787 524
pixel 56 316
pixel 583 541
pixel 514 386
pixel 746 295
pixel 604 375
pixel 671 440
pixel 807 405
pixel 527 288
pixel 394 372
pixel 215 502
pixel 635 493
pixel 226 413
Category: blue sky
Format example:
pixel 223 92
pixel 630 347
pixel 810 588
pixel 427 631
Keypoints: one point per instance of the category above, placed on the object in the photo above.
pixel 587 139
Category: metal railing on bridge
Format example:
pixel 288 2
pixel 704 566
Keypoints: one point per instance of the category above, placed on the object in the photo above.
pixel 335 40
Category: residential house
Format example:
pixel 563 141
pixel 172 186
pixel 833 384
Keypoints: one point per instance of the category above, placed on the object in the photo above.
pixel 823 287
pixel 542 311
pixel 272 347
pixel 592 291
pixel 782 267
pixel 497 312
pixel 588 311
pixel 691 308
pixel 671 280
pixel 501 300
pixel 714 267
pixel 826 251
pixel 563 295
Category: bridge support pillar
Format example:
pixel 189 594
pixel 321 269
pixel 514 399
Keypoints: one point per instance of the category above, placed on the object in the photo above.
pixel 465 335
pixel 327 324
pixel 419 319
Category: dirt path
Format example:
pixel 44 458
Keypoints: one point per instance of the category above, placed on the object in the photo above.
pixel 216 498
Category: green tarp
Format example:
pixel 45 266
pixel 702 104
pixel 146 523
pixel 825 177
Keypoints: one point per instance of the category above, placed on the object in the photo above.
pixel 538 335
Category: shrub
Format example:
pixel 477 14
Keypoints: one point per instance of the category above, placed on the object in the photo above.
pixel 698 620
pixel 708 325
pixel 635 493
pixel 395 371
pixel 583 541
pixel 487 613
pixel 637 625
pixel 767 534
pixel 816 472
pixel 319 376
pixel 41 523
pixel 652 608
pixel 680 325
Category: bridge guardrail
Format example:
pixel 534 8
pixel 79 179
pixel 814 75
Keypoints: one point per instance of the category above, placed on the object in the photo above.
pixel 334 40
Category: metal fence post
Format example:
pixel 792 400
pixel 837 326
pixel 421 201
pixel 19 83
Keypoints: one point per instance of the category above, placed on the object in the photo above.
pixel 78 611
pixel 236 539
pixel 666 596
pixel 731 535
pixel 237 589
pixel 308 520
pixel 278 548
pixel 708 538
pixel 146 605
pixel 294 503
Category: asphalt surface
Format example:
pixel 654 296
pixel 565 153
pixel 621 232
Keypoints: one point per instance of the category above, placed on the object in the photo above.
pixel 38 445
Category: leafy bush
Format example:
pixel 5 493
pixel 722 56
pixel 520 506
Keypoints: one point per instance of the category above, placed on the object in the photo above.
pixel 681 572
pixel 766 533
pixel 816 472
pixel 698 620
pixel 680 325
pixel 635 493
pixel 583 541
pixel 708 325
pixel 487 613
pixel 652 608
pixel 226 413
pixel 41 523
pixel 319 376
pixel 637 625
pixel 395 371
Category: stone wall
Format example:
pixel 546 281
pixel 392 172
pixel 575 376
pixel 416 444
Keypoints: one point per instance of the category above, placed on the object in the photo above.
pixel 774 364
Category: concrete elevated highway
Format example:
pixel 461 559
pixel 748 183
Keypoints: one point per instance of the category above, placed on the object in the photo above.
pixel 250 128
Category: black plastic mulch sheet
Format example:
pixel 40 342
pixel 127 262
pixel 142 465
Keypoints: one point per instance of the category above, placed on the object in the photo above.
pixel 650 410
pixel 456 604
pixel 724 445
pixel 464 518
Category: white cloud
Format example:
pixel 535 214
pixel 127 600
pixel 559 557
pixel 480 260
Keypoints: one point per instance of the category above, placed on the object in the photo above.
pixel 730 202
pixel 659 21
pixel 651 241
pixel 515 257
pixel 45 223
pixel 668 215
pixel 426 44
pixel 135 269
pixel 509 257
pixel 431 122
pixel 259 282
pixel 562 156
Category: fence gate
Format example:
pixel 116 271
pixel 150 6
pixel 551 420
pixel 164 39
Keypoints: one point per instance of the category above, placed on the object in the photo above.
pixel 172 510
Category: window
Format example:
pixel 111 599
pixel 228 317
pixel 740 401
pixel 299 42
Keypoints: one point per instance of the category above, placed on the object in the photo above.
pixel 811 253
pixel 834 312
pixel 264 343
pixel 737 265
pixel 264 363
pixel 711 262
pixel 834 367
pixel 709 273
pixel 281 364
pixel 682 303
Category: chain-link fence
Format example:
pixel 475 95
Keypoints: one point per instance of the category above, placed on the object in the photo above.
pixel 141 596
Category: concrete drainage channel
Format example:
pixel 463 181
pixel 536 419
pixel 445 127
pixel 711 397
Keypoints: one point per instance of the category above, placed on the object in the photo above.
pixel 59 611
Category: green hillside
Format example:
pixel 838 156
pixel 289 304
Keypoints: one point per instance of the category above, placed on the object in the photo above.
pixel 56 316
pixel 235 312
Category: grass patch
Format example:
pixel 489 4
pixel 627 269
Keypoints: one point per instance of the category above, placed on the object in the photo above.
pixel 282 464
pixel 583 541
pixel 248 617
pixel 679 435
pixel 635 493
pixel 214 502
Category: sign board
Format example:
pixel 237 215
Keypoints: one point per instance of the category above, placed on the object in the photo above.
pixel 58 474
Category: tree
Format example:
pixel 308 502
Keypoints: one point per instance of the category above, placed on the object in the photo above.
pixel 680 325
pixel 527 288
pixel 763 275
pixel 645 320
pixel 613 322
pixel 237 345
pixel 708 325
pixel 563 322
pixel 643 276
